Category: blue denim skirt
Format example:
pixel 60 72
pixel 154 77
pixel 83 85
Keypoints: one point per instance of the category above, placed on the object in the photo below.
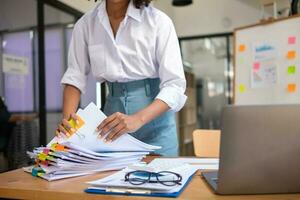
pixel 129 98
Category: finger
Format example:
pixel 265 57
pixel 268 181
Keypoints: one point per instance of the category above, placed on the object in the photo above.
pixel 109 126
pixel 107 120
pixel 67 125
pixel 75 117
pixel 57 133
pixel 61 135
pixel 119 134
pixel 115 131
pixel 63 130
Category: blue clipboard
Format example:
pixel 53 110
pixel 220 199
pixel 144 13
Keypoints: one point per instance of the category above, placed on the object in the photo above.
pixel 156 194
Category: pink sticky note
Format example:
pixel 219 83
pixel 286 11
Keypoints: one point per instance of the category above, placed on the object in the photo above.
pixel 46 151
pixel 256 66
pixel 292 40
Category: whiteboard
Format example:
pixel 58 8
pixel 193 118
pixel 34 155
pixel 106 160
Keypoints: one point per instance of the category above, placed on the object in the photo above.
pixel 267 63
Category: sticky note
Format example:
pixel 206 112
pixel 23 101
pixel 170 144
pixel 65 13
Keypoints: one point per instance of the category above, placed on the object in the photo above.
pixel 256 66
pixel 45 163
pixel 242 88
pixel 292 40
pixel 291 55
pixel 46 151
pixel 59 147
pixel 291 87
pixel 42 156
pixel 292 69
pixel 53 146
pixel 242 48
pixel 75 125
pixel 36 170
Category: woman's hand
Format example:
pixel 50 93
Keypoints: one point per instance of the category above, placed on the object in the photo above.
pixel 64 128
pixel 119 124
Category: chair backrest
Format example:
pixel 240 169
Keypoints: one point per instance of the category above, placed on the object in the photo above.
pixel 206 143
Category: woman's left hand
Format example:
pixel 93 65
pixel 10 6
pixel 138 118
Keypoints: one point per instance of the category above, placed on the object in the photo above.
pixel 119 124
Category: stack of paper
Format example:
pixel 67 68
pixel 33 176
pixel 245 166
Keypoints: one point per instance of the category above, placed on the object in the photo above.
pixel 84 153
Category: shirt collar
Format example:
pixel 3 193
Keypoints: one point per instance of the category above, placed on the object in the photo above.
pixel 132 11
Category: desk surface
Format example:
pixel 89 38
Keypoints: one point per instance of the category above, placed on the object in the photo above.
pixel 21 185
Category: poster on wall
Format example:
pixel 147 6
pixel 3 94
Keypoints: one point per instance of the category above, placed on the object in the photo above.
pixel 264 67
pixel 15 64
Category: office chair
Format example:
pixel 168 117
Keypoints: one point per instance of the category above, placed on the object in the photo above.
pixel 206 143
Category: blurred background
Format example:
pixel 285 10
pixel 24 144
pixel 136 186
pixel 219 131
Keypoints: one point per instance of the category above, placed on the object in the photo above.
pixel 34 41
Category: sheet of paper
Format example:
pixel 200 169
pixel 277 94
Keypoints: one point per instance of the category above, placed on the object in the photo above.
pixel 87 137
pixel 199 163
pixel 264 71
pixel 265 75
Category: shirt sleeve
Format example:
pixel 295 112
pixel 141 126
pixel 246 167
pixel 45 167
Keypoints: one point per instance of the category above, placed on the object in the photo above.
pixel 78 60
pixel 171 73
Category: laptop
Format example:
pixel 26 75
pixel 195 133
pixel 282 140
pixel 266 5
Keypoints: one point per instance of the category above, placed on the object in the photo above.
pixel 259 152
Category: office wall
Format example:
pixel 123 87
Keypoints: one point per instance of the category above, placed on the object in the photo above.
pixel 203 16
pixel 16 14
pixel 213 16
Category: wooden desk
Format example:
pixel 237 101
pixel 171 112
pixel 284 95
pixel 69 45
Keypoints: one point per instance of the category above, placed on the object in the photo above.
pixel 20 185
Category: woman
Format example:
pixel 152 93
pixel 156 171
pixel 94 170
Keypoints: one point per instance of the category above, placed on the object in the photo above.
pixel 133 47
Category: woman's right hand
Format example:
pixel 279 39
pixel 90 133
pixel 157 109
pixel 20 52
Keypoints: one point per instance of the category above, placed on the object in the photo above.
pixel 64 128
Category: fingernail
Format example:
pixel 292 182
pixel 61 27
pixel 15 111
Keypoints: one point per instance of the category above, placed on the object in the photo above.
pixel 67 134
pixel 73 129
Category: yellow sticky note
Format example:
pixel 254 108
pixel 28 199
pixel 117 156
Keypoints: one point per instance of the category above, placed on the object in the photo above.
pixel 242 48
pixel 42 157
pixel 40 174
pixel 53 146
pixel 291 87
pixel 75 125
pixel 291 55
pixel 242 88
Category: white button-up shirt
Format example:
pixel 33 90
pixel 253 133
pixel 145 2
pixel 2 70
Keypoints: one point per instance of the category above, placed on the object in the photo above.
pixel 145 46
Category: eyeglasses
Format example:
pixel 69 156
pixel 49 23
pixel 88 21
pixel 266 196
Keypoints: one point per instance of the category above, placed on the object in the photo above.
pixel 166 178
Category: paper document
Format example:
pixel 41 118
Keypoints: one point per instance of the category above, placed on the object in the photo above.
pixel 199 163
pixel 117 181
pixel 87 137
